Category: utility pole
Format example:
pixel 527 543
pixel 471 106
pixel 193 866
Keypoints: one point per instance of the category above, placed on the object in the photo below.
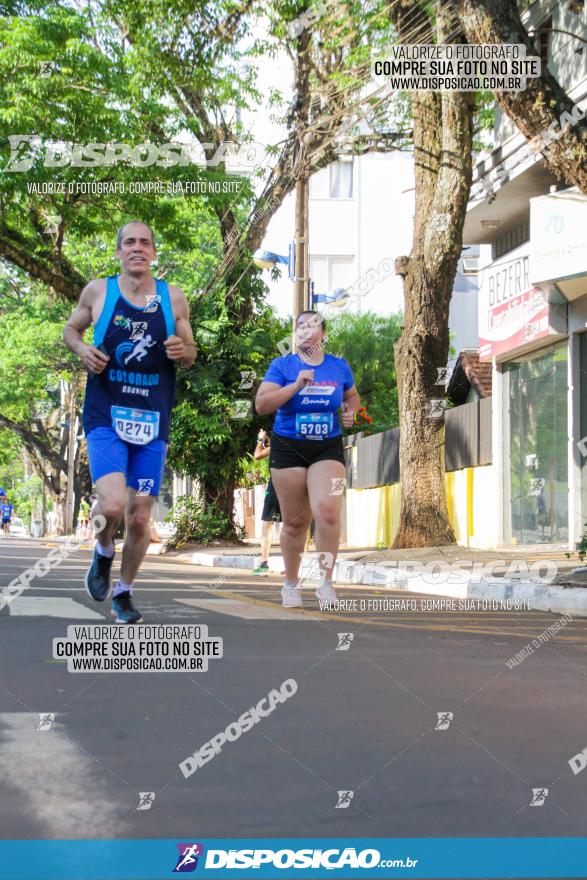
pixel 301 276
pixel 300 167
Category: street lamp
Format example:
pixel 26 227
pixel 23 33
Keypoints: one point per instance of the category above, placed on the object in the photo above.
pixel 338 299
pixel 267 259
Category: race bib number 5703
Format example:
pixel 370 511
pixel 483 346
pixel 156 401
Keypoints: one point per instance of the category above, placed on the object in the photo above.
pixel 136 426
pixel 314 426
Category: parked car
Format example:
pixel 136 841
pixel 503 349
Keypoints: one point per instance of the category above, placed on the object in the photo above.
pixel 18 528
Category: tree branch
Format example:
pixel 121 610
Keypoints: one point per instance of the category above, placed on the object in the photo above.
pixel 542 102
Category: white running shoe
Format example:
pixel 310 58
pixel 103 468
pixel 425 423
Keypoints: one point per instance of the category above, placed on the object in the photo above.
pixel 291 597
pixel 326 593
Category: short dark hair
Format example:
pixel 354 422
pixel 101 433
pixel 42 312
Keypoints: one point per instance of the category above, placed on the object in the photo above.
pixel 313 312
pixel 128 222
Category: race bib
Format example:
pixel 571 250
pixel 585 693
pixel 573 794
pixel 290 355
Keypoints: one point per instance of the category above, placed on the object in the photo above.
pixel 136 426
pixel 314 426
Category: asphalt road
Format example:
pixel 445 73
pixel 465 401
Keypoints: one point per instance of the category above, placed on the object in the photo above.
pixel 363 719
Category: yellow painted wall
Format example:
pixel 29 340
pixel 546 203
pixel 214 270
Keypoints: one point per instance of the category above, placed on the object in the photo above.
pixel 373 514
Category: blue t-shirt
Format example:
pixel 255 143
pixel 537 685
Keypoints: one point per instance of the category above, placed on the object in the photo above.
pixel 311 414
pixel 6 511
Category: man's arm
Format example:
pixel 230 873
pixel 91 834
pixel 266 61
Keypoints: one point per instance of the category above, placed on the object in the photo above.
pixel 181 347
pixel 73 333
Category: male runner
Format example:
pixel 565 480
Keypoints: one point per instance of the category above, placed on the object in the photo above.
pixel 127 406
pixel 6 511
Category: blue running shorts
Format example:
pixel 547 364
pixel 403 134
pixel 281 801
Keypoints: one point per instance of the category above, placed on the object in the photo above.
pixel 142 465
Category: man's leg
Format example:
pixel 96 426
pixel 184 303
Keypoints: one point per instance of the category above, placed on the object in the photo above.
pixel 138 535
pixel 145 475
pixel 112 497
pixel 108 458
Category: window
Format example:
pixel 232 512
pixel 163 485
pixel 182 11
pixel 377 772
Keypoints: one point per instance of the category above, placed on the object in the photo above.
pixel 341 179
pixel 330 273
pixel 341 272
pixel 542 40
pixel 536 392
pixel 512 239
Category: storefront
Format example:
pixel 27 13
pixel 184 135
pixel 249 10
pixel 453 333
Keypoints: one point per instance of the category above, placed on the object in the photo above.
pixel 532 325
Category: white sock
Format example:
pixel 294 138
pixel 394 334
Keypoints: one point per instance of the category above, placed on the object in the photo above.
pixel 290 584
pixel 121 587
pixel 108 552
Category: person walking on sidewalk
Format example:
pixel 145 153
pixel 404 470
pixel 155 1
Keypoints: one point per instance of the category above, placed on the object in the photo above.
pixel 271 514
pixel 306 390
pixel 142 333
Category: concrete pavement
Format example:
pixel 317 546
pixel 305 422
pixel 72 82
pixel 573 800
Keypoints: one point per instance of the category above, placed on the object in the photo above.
pixel 371 716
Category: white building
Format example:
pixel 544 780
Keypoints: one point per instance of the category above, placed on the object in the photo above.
pixel 360 213
pixel 533 312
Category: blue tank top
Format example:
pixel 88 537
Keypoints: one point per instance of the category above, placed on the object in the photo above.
pixel 135 392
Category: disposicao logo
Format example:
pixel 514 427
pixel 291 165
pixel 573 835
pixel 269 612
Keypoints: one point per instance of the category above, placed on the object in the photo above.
pixel 187 860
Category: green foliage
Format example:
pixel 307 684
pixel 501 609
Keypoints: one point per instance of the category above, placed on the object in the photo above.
pixel 196 522
pixel 581 546
pixel 24 497
pixel 367 341
pixel 207 441
pixel 11 465
pixel 34 357
pixel 252 472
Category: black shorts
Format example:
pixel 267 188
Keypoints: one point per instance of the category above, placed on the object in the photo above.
pixel 288 453
pixel 271 510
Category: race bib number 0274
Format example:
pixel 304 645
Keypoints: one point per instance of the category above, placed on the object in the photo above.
pixel 136 426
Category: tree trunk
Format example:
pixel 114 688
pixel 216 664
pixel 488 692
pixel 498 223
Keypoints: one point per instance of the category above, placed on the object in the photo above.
pixel 543 101
pixel 443 126
pixel 222 497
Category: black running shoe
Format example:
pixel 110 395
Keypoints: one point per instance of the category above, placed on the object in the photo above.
pixel 98 577
pixel 123 611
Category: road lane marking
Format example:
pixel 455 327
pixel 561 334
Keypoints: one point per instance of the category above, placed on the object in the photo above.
pixel 51 606
pixel 244 610
pixel 61 788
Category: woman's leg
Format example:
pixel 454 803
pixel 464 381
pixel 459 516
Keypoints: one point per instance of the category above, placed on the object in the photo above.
pixel 322 477
pixel 265 540
pixel 290 485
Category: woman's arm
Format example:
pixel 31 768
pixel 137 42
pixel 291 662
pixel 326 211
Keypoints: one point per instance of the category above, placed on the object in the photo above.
pixel 271 396
pixel 350 404
pixel 261 451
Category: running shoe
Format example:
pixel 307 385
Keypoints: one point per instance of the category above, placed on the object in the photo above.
pixel 262 570
pixel 291 597
pixel 97 578
pixel 123 611
pixel 326 593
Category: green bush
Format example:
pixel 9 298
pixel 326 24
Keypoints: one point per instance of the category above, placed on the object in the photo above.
pixel 192 520
pixel 253 472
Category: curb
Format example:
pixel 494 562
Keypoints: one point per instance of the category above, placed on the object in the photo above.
pixel 244 561
pixel 536 596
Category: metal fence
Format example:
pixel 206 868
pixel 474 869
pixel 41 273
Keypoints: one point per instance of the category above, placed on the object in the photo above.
pixel 467 444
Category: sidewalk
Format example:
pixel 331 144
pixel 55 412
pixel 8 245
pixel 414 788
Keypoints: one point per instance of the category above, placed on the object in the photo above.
pixel 540 577
pixel 565 593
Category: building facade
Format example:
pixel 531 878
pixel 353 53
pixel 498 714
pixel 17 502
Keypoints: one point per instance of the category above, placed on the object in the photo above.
pixel 533 310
